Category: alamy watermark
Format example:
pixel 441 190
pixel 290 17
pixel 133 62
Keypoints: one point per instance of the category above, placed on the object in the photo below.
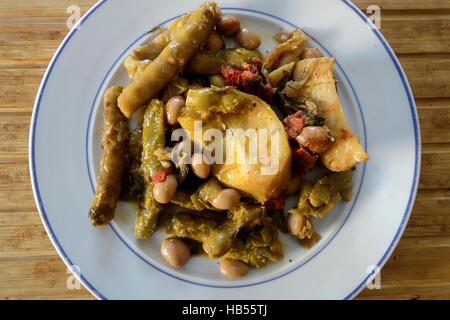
pixel 72 282
pixel 74 12
pixel 373 11
pixel 251 147
pixel 374 280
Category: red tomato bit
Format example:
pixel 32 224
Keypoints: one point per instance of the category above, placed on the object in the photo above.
pixel 294 124
pixel 304 160
pixel 161 175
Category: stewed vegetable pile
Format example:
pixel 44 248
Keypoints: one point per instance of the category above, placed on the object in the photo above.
pixel 230 210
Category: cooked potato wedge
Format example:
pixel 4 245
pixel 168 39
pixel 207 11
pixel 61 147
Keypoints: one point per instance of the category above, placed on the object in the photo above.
pixel 231 109
pixel 318 85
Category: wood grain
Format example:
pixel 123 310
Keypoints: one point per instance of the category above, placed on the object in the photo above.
pixel 419 32
pixel 434 115
pixel 37 277
pixel 405 4
pixel 428 74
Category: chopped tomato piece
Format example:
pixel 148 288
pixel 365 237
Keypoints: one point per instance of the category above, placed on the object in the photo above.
pixel 276 203
pixel 248 79
pixel 232 76
pixel 294 124
pixel 304 160
pixel 161 175
pixel 250 68
pixel 257 62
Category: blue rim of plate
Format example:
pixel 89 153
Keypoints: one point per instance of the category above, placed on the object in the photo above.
pixel 116 230
pixel 351 6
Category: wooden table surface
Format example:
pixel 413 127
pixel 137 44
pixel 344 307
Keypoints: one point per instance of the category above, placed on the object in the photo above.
pixel 30 32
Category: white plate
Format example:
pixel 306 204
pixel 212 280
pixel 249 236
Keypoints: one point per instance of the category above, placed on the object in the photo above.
pixel 357 237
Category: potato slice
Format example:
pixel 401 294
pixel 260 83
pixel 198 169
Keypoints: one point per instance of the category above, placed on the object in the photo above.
pixel 318 85
pixel 231 109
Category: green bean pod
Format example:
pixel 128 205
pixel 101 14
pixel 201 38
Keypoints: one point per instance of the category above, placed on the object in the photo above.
pixel 191 227
pixel 153 138
pixel 209 62
pixel 221 239
pixel 259 248
pixel 115 144
pixel 171 61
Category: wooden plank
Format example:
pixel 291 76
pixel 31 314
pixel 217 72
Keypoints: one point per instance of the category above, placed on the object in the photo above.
pixel 434 117
pixel 42 6
pixel 435 171
pixel 417 268
pixel 23 236
pixel 18 49
pixel 37 278
pixel 16 193
pixel 417 32
pixel 14 128
pixel 409 269
pixel 432 292
pixel 404 4
pixel 430 216
pixel 21 55
pixel 18 87
pixel 61 5
pixel 32 32
pixel 428 74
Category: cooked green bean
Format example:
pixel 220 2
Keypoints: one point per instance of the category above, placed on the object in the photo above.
pixel 134 67
pixel 152 49
pixel 294 41
pixel 299 225
pixel 172 59
pixel 176 87
pixel 192 227
pixel 114 142
pixel 201 199
pixel 165 156
pixel 247 215
pixel 329 185
pixel 209 190
pixel 318 200
pixel 185 200
pixel 147 218
pixel 205 102
pixel 281 73
pixel 195 198
pixel 172 209
pixel 153 138
pixel 221 239
pixel 140 58
pixel 259 247
pixel 209 62
pixel 132 180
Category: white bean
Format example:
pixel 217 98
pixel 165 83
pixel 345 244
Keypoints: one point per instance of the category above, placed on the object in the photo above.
pixel 231 268
pixel 228 25
pixel 173 109
pixel 175 252
pixel 163 192
pixel 199 166
pixel 248 39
